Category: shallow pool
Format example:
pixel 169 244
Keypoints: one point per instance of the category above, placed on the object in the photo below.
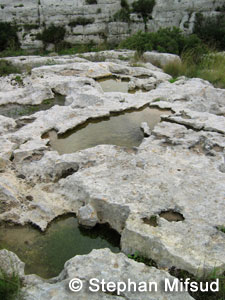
pixel 16 111
pixel 114 85
pixel 122 129
pixel 45 253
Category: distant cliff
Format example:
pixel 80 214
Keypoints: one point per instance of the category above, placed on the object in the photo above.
pixel 96 22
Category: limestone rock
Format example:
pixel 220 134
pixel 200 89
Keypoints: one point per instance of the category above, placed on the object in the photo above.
pixel 87 216
pixel 145 128
pixel 161 59
pixel 11 264
pixel 99 18
pixel 102 264
pixel 6 124
pixel 179 168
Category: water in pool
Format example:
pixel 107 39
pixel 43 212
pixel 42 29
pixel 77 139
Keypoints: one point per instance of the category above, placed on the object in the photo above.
pixel 45 253
pixel 121 130
pixel 16 111
pixel 114 85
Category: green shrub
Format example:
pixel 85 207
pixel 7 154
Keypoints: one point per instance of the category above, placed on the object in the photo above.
pixel 53 34
pixel 8 36
pixel 124 4
pixel 144 8
pixel 170 40
pixel 221 228
pixel 221 8
pixel 12 52
pixel 19 80
pixel 211 30
pixel 7 68
pixel 122 15
pixel 81 21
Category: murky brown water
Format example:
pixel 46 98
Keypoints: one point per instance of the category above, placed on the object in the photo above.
pixel 45 253
pixel 121 130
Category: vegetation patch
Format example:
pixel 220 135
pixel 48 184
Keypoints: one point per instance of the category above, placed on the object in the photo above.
pixel 221 228
pixel 30 26
pixel 7 68
pixel 144 8
pixel 16 52
pixel 167 40
pixel 83 48
pixel 157 100
pixel 8 36
pixel 19 80
pixel 173 80
pixel 81 21
pixel 152 221
pixel 20 5
pixel 211 30
pixel 210 67
pixel 91 1
pixel 123 14
pixel 221 8
pixel 139 258
pixel 9 285
pixel 53 34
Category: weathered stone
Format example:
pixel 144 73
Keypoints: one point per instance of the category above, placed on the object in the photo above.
pixel 179 167
pixel 161 59
pixel 99 18
pixel 11 264
pixel 146 129
pixel 102 264
pixel 6 124
pixel 87 216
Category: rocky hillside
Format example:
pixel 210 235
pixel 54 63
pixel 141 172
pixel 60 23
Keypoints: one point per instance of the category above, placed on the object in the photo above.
pixel 165 196
pixel 94 20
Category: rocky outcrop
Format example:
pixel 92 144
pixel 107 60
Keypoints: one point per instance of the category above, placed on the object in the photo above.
pixel 165 197
pixel 86 23
pixel 100 265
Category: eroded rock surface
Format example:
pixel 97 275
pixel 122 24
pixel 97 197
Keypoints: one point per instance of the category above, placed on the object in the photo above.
pixel 87 22
pixel 179 168
pixel 99 264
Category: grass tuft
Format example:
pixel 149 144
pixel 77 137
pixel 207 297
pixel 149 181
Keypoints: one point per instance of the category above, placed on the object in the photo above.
pixel 210 67
pixel 139 258
pixel 9 285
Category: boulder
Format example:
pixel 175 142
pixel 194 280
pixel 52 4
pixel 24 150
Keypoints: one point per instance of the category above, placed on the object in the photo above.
pixel 161 59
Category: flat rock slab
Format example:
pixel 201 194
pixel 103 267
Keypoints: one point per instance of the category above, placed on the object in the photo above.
pixel 103 264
